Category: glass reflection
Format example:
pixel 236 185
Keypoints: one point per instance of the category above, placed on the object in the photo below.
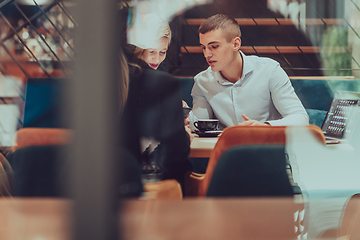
pixel 308 38
pixel 327 175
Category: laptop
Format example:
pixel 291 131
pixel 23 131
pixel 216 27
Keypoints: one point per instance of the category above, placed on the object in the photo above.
pixel 341 117
pixel 44 103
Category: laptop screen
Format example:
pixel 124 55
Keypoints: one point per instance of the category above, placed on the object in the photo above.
pixel 342 114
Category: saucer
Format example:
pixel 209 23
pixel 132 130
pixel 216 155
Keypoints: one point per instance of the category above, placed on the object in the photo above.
pixel 214 133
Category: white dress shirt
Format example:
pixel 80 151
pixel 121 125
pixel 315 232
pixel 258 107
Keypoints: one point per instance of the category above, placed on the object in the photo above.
pixel 264 93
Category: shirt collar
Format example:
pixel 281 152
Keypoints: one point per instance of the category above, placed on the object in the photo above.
pixel 248 67
pixel 248 64
pixel 219 78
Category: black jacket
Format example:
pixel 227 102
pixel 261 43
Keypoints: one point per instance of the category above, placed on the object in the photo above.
pixel 154 110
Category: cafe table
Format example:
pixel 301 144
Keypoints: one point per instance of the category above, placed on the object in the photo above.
pixel 201 147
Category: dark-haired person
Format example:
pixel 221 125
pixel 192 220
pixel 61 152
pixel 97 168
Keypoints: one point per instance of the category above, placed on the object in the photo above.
pixel 239 89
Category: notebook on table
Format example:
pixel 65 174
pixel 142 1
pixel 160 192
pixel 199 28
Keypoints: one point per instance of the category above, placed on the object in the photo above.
pixel 341 117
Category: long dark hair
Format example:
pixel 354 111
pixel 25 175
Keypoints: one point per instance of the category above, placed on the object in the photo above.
pixel 123 70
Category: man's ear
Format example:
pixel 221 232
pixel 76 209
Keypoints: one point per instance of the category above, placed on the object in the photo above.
pixel 237 43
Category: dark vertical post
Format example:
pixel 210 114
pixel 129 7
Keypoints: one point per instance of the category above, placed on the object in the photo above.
pixel 94 120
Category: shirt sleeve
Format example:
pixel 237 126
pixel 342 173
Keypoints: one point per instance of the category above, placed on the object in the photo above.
pixel 286 101
pixel 201 107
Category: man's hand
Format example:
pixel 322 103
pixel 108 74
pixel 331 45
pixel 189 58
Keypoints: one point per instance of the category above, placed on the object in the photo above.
pixel 249 122
pixel 187 121
pixel 187 128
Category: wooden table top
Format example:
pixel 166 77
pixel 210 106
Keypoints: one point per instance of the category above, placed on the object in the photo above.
pixel 35 218
pixel 201 147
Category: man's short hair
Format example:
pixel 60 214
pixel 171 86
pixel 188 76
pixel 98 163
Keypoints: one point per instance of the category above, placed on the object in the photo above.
pixel 228 24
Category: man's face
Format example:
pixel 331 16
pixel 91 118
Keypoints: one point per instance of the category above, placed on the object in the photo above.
pixel 218 52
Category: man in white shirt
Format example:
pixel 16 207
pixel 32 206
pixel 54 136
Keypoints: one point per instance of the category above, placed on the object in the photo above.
pixel 239 89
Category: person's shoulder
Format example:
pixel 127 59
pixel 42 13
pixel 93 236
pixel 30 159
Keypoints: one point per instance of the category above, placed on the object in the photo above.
pixel 158 81
pixel 158 75
pixel 205 76
pixel 262 60
pixel 163 67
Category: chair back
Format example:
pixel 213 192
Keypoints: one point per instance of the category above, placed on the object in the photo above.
pixel 26 137
pixel 43 171
pixel 247 135
pixel 251 171
pixel 38 171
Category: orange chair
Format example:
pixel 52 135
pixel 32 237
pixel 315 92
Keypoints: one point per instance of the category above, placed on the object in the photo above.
pixel 197 184
pixel 349 225
pixel 166 189
pixel 41 136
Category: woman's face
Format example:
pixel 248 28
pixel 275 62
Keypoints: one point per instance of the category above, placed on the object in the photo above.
pixel 153 57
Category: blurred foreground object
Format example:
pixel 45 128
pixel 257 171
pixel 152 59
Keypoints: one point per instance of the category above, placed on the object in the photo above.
pixel 147 14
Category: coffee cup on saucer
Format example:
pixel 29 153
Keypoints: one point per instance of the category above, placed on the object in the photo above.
pixel 204 125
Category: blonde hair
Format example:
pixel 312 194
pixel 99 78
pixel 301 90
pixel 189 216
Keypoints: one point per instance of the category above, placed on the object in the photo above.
pixel 123 82
pixel 164 31
pixel 150 30
pixel 158 26
pixel 138 53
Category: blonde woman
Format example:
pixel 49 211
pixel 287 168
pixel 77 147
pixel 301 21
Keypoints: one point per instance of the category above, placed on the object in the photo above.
pixel 152 120
pixel 158 38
